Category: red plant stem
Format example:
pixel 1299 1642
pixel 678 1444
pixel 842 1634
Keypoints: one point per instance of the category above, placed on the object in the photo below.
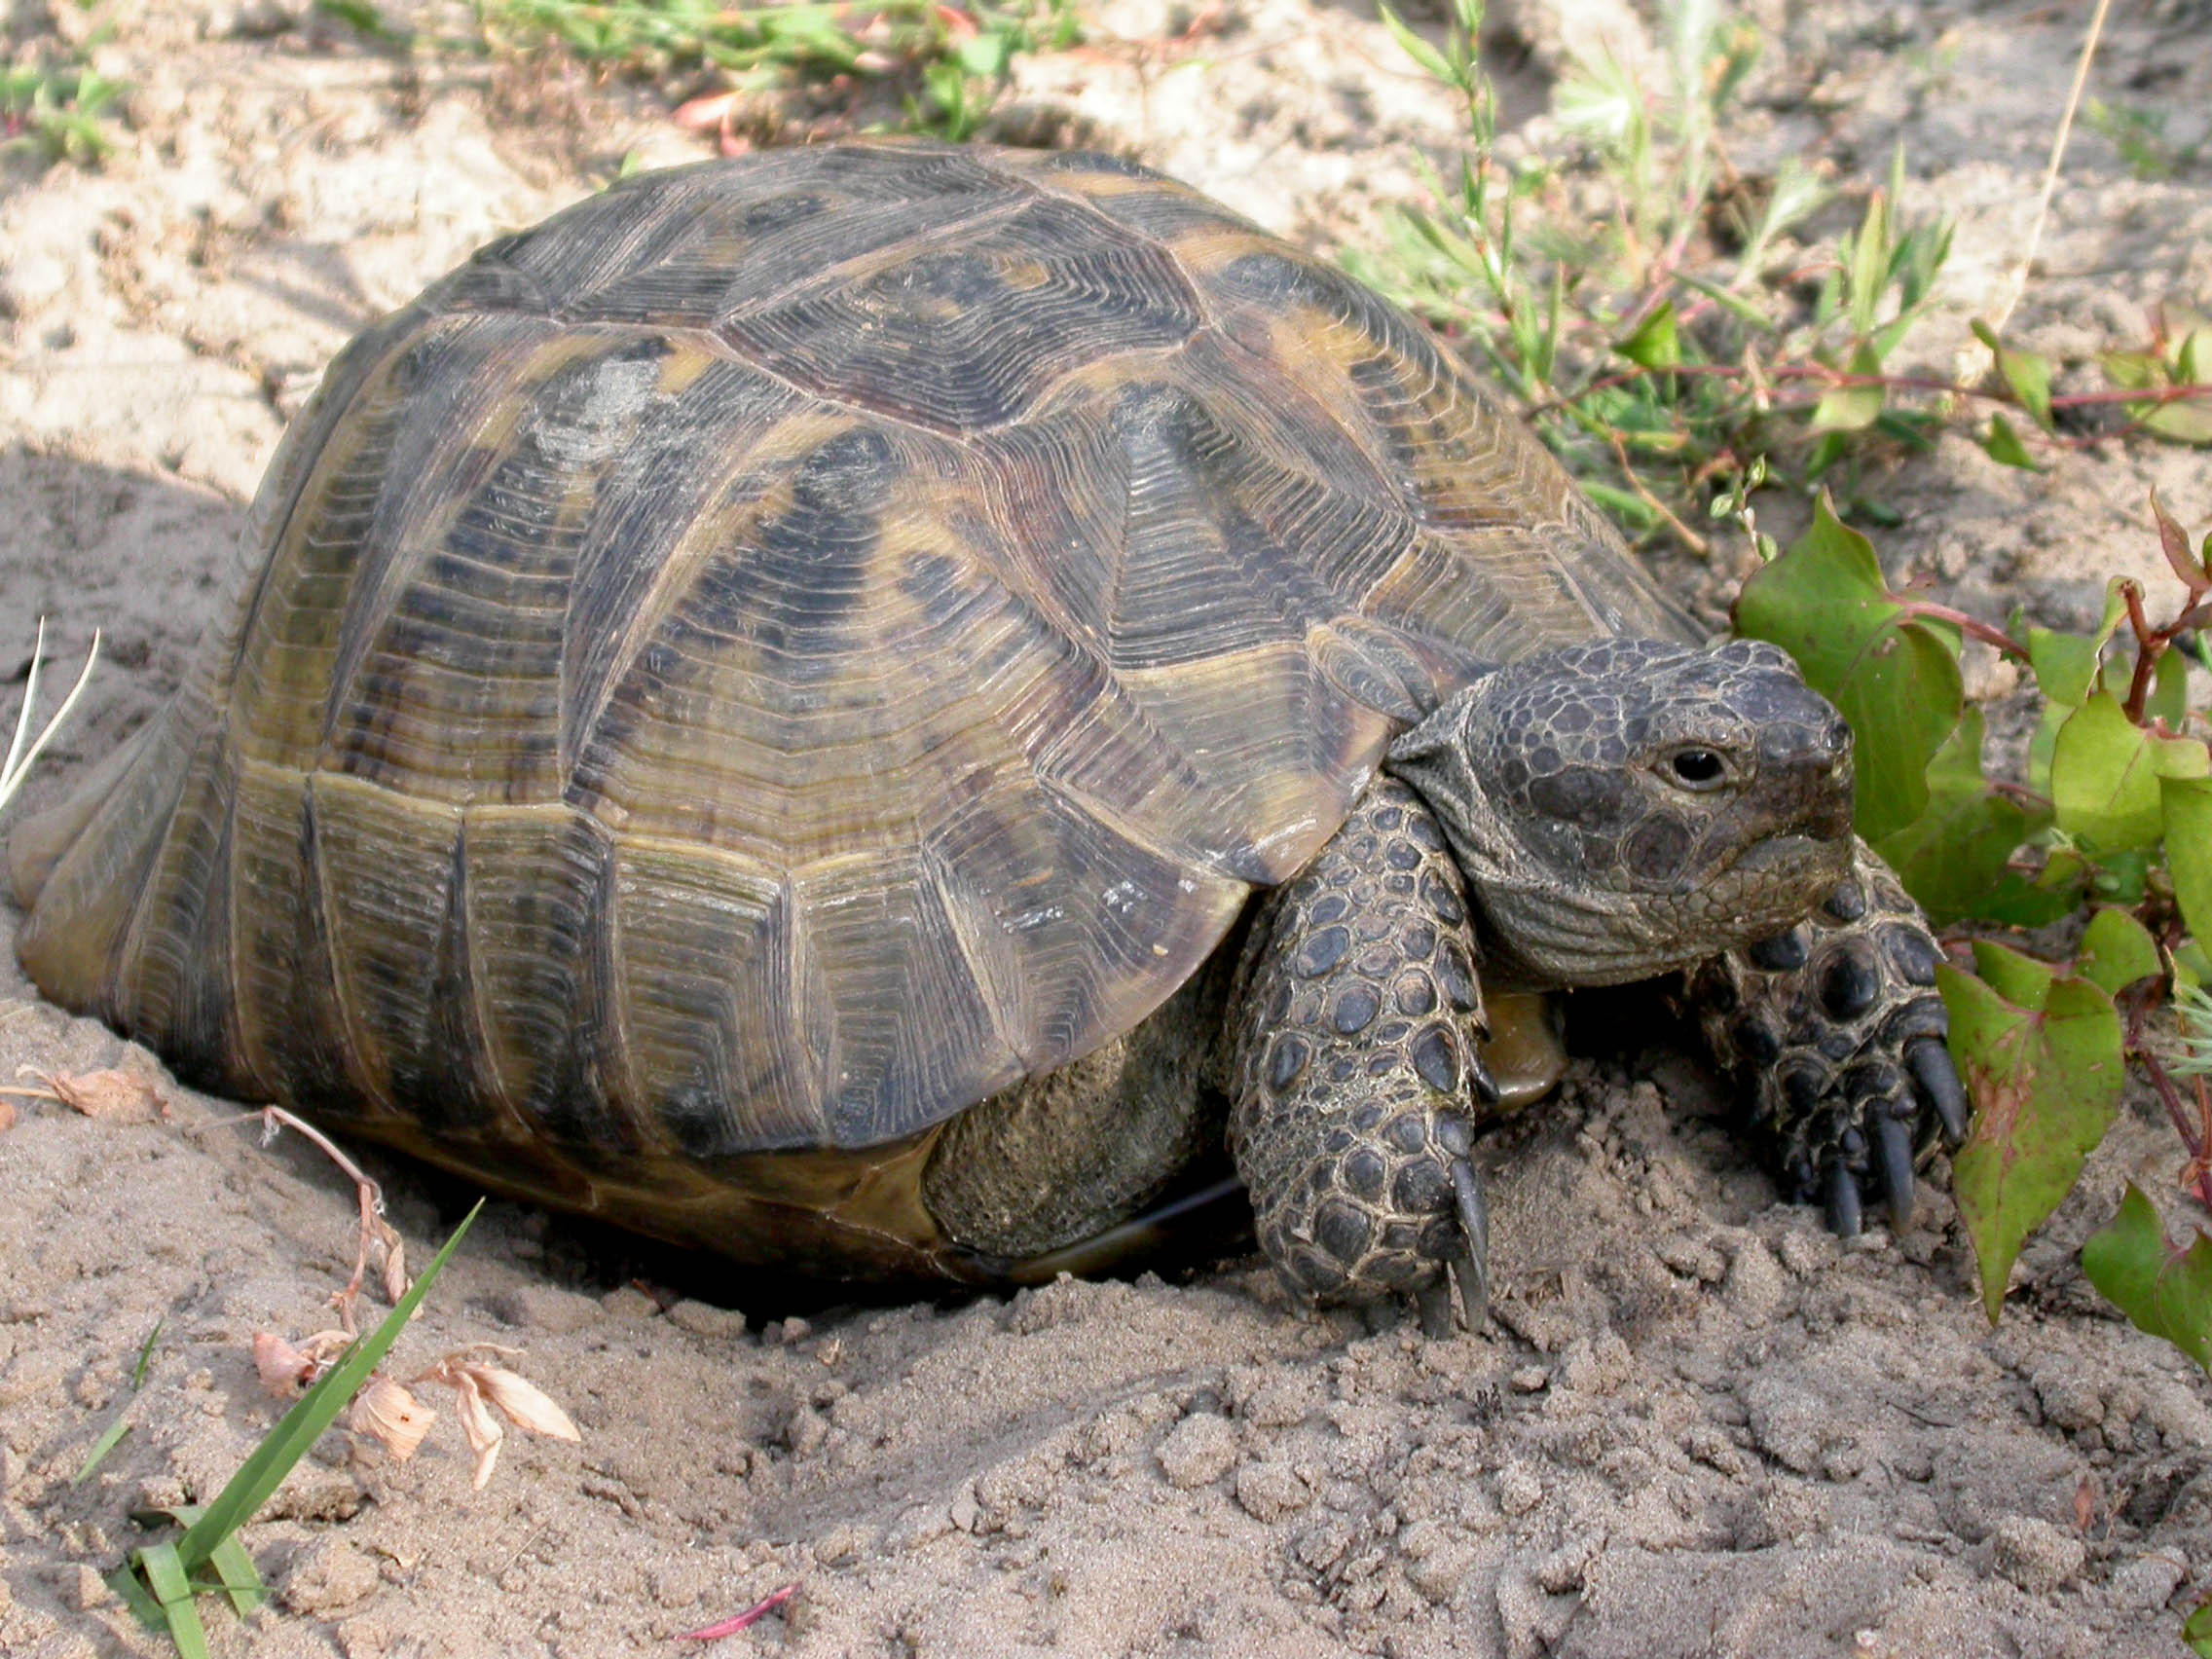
pixel 2192 1135
pixel 1985 631
pixel 2150 647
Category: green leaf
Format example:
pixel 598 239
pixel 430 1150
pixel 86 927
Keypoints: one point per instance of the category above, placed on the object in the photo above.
pixel 1851 408
pixel 2163 1291
pixel 1653 345
pixel 2132 371
pixel 2003 445
pixel 2183 421
pixel 2015 978
pixel 2025 372
pixel 1953 854
pixel 299 1428
pixel 2117 951
pixel 2020 902
pixel 172 1585
pixel 2169 690
pixel 1894 677
pixel 2186 806
pixel 2104 778
pixel 2041 1057
pixel 2197 1631
pixel 1419 50
pixel 1869 264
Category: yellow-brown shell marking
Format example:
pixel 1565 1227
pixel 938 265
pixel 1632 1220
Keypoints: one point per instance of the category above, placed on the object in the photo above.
pixel 794 644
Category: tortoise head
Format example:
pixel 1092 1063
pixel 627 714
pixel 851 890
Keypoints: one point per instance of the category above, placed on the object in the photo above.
pixel 1623 807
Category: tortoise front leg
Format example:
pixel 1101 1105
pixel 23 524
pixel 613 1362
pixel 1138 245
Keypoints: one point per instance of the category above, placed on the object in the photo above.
pixel 1356 1080
pixel 1836 1031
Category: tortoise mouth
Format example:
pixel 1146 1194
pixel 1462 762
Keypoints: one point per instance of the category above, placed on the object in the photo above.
pixel 1791 850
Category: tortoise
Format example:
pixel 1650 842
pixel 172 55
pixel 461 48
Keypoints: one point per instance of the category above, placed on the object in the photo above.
pixel 872 707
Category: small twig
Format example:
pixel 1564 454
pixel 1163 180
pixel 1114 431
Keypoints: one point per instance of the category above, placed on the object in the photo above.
pixel 23 750
pixel 1690 538
pixel 2019 282
pixel 375 1234
pixel 2195 1135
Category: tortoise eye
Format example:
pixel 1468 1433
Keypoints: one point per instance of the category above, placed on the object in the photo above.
pixel 1699 768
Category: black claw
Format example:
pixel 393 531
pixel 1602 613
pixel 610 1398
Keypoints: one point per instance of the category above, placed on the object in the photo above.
pixel 1433 1300
pixel 1843 1201
pixel 1930 1063
pixel 1893 1148
pixel 1471 1267
pixel 1478 1074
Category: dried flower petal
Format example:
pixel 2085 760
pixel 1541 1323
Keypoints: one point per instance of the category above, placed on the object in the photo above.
pixel 389 1414
pixel 478 1420
pixel 286 1370
pixel 525 1403
pixel 6 1117
pixel 716 109
pixel 125 1095
pixel 394 1261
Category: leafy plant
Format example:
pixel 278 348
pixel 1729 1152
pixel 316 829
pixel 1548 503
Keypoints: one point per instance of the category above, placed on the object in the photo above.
pixel 1697 336
pixel 57 111
pixel 2117 812
pixel 162 1581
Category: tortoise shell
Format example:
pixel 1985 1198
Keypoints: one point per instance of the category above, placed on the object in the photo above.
pixel 792 645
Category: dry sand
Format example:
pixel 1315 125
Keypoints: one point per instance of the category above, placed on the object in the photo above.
pixel 1702 1427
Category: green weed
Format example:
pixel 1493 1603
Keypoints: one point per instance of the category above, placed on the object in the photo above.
pixel 1699 337
pixel 57 111
pixel 946 61
pixel 1681 334
pixel 162 1581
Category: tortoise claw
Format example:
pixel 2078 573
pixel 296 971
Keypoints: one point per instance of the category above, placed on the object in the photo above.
pixel 1478 1075
pixel 1930 1063
pixel 1842 1201
pixel 1433 1300
pixel 1471 1267
pixel 1893 1155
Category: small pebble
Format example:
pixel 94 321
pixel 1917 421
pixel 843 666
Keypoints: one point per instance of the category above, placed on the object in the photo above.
pixel 2035 1555
pixel 1518 1490
pixel 1197 1451
pixel 1270 1491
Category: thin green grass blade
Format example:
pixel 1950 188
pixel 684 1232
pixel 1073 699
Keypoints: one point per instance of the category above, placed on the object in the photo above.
pixel 300 1428
pixel 146 1355
pixel 241 1580
pixel 125 1582
pixel 173 1589
pixel 106 1443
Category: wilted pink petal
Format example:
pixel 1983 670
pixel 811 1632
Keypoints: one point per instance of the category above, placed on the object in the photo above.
pixel 710 111
pixel 284 1371
pixel 389 1414
pixel 526 1406
pixel 761 1609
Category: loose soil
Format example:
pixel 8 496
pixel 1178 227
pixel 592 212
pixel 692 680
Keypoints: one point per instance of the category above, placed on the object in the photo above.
pixel 1702 1427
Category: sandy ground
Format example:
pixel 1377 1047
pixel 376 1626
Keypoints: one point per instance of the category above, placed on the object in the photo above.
pixel 1703 1427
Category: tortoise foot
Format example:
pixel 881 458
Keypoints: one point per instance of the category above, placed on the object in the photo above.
pixel 1836 1030
pixel 1358 1076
